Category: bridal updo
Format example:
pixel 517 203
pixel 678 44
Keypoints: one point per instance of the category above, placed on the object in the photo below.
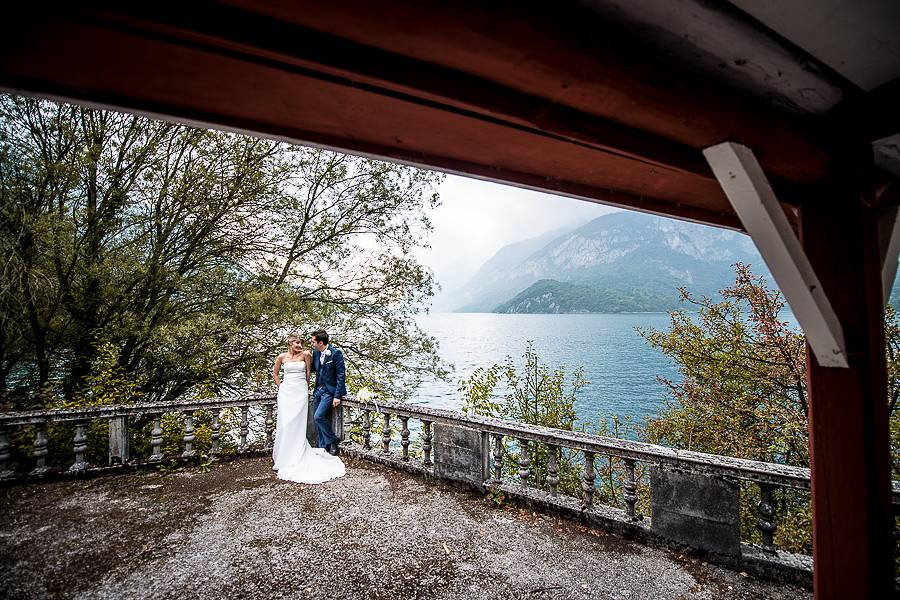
pixel 294 337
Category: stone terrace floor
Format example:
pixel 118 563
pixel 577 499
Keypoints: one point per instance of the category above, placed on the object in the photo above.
pixel 238 532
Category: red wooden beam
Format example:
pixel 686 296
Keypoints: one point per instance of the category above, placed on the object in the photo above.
pixel 848 417
pixel 562 52
pixel 538 104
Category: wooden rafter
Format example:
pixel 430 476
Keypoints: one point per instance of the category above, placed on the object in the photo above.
pixel 749 192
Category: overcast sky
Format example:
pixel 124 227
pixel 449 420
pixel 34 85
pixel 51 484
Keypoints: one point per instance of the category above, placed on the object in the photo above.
pixel 477 218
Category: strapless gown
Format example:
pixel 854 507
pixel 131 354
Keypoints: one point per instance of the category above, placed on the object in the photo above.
pixel 295 459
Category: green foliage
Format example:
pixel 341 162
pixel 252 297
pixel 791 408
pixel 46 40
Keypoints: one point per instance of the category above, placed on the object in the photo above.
pixel 169 467
pixel 537 396
pixel 743 392
pixel 892 350
pixel 206 464
pixel 551 296
pixel 107 383
pixel 146 261
pixel 478 392
pixel 496 497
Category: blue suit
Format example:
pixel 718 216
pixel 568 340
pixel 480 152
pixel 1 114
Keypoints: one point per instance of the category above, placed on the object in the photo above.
pixel 330 384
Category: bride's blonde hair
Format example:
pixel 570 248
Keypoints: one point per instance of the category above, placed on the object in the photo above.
pixel 294 337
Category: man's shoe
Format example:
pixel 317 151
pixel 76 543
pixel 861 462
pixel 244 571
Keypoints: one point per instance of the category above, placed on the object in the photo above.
pixel 334 449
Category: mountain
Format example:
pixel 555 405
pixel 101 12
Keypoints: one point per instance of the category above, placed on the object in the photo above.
pixel 619 262
pixel 551 296
pixel 487 288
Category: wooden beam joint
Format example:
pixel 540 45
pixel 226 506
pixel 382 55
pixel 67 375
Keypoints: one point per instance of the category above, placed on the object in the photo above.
pixel 748 189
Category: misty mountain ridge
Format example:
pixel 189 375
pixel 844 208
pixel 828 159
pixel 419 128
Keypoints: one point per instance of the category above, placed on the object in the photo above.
pixel 619 262
pixel 476 293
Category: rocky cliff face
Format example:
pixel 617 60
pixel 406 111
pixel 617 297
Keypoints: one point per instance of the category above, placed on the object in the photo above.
pixel 622 261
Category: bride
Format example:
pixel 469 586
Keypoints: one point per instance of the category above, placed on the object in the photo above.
pixel 295 459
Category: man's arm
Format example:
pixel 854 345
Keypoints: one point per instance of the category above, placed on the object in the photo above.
pixel 341 371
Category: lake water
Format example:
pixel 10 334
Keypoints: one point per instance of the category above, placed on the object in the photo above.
pixel 620 365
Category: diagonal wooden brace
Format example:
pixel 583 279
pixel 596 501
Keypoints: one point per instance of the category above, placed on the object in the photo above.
pixel 889 241
pixel 749 192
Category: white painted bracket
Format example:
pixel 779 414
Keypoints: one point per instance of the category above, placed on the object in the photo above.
pixel 749 192
pixel 889 226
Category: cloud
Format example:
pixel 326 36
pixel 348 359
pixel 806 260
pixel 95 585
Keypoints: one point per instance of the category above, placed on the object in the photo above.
pixel 477 218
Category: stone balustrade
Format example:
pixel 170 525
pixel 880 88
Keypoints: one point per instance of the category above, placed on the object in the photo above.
pixel 120 417
pixel 693 497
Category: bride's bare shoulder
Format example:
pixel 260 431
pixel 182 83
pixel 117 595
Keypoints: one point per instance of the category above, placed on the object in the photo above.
pixel 306 354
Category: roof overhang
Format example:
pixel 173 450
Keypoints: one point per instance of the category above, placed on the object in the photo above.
pixel 594 99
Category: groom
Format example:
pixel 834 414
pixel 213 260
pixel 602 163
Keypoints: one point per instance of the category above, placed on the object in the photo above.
pixel 328 364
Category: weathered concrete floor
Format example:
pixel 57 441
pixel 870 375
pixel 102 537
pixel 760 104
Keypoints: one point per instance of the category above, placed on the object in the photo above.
pixel 236 531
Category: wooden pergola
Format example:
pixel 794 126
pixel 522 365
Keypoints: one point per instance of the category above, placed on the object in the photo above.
pixel 779 119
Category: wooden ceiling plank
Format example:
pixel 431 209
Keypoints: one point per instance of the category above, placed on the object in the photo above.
pixel 155 78
pixel 563 52
pixel 441 114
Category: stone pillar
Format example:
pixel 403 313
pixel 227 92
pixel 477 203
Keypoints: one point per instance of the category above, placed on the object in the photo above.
pixel 118 440
pixel 337 421
pixel 697 510
pixel 461 454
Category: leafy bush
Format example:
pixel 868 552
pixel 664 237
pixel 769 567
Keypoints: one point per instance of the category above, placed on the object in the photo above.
pixel 537 396
pixel 743 392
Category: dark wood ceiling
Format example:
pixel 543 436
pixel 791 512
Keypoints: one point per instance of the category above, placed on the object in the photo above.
pixel 550 96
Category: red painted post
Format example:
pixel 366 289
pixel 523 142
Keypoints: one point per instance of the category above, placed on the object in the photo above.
pixel 848 417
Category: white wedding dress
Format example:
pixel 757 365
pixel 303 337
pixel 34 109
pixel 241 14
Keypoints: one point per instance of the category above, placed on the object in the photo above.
pixel 295 459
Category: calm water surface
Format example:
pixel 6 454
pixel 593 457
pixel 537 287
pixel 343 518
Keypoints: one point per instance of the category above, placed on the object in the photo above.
pixel 620 365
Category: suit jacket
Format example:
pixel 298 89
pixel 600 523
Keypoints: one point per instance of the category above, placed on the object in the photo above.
pixel 331 375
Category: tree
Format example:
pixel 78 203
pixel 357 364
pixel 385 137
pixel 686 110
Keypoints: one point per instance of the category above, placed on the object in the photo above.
pixel 193 253
pixel 743 390
pixel 533 395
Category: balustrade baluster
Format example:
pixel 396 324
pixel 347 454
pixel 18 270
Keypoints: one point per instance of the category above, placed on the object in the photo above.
pixel 552 468
pixel 524 463
pixel 80 445
pixel 404 437
pixel 587 487
pixel 245 427
pixel 40 450
pixel 630 489
pixel 5 473
pixel 367 430
pixel 498 459
pixel 426 442
pixel 270 426
pixel 766 522
pixel 156 439
pixel 188 435
pixel 215 429
pixel 386 434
